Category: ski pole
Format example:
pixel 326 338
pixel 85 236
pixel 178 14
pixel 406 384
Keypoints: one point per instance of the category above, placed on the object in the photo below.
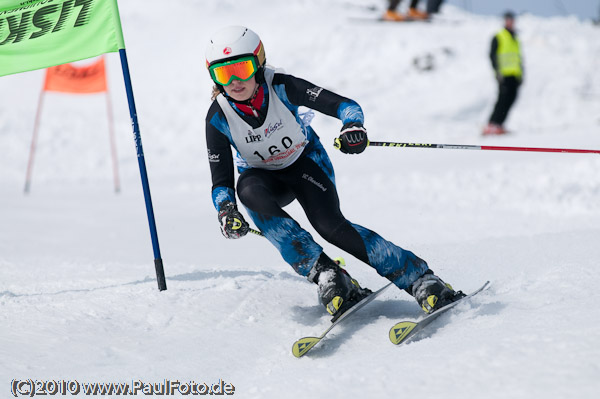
pixel 257 232
pixel 337 145
pixel 480 147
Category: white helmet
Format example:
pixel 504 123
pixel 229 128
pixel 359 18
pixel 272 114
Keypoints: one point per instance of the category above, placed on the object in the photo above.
pixel 234 42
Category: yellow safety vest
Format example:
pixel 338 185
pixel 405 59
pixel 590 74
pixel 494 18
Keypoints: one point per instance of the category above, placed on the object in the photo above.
pixel 508 54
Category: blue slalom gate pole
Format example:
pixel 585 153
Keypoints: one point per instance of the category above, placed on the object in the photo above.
pixel 158 264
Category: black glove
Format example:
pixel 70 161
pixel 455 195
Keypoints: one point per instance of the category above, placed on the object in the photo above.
pixel 232 222
pixel 499 77
pixel 353 139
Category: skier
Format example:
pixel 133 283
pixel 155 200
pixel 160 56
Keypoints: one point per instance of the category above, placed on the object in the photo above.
pixel 280 158
pixel 505 55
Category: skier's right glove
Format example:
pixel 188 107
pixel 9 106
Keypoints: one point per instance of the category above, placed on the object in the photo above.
pixel 499 77
pixel 232 222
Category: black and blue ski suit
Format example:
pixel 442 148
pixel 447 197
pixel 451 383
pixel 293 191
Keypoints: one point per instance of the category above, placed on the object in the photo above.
pixel 280 158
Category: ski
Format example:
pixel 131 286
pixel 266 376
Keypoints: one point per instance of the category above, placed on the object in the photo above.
pixel 380 19
pixel 434 20
pixel 404 331
pixel 303 345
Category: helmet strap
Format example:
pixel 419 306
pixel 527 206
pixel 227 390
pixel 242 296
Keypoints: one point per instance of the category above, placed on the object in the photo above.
pixel 260 74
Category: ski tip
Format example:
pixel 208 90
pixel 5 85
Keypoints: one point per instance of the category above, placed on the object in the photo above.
pixel 303 345
pixel 485 286
pixel 401 331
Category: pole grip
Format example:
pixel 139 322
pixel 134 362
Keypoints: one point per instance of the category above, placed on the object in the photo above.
pixel 337 143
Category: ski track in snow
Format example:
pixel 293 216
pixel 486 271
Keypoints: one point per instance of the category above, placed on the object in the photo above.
pixel 78 294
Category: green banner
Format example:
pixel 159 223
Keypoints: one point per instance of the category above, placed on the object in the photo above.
pixel 38 34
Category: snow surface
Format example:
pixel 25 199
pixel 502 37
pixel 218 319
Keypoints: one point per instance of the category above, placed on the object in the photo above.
pixel 78 294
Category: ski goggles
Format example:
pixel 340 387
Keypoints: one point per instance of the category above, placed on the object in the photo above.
pixel 224 73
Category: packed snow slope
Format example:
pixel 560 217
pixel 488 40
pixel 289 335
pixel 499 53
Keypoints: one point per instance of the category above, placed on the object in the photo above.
pixel 78 293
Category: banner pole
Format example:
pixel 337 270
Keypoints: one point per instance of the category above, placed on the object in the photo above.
pixel 34 141
pixel 113 146
pixel 160 273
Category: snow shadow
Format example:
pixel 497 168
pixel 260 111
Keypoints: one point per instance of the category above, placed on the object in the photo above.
pixel 201 275
pixel 313 316
pixel 73 290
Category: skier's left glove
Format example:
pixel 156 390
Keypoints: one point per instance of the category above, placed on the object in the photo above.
pixel 232 221
pixel 353 138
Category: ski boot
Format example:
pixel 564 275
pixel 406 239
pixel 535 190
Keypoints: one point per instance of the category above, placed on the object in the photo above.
pixel 338 292
pixel 432 293
pixel 493 129
pixel 413 13
pixel 391 15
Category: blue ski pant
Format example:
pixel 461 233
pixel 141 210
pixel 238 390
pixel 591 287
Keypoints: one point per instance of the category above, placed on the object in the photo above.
pixel 310 180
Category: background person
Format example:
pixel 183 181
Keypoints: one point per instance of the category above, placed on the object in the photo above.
pixel 433 6
pixel 413 13
pixel 505 55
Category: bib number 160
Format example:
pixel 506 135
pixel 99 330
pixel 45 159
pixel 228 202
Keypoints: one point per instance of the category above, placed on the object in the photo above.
pixel 286 142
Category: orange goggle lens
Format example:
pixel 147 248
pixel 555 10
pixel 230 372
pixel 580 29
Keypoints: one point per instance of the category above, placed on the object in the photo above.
pixel 240 69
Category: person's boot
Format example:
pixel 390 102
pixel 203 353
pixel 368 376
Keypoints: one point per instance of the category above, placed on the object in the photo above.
pixel 432 293
pixel 391 15
pixel 338 291
pixel 413 13
pixel 493 129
